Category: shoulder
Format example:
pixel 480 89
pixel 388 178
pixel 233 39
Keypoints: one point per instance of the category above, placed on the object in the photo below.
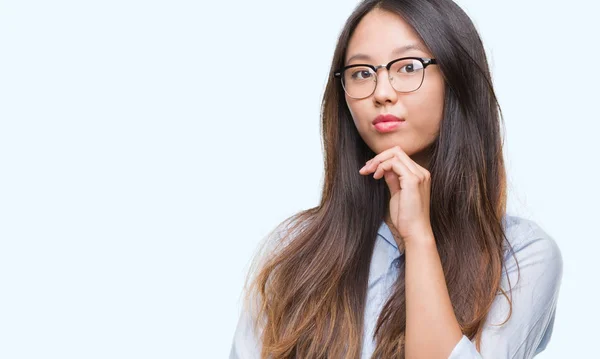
pixel 531 245
pixel 519 323
pixel 290 228
pixel 531 255
pixel 280 236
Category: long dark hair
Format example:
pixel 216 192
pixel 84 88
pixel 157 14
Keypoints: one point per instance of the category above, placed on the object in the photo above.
pixel 310 289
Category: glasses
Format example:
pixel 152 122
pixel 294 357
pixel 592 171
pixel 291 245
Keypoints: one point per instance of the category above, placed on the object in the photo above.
pixel 406 74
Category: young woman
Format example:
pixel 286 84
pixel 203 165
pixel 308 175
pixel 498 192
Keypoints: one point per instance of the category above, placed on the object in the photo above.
pixel 410 253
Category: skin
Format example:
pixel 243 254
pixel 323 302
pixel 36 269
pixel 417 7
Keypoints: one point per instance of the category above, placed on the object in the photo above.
pixel 377 35
pixel 432 330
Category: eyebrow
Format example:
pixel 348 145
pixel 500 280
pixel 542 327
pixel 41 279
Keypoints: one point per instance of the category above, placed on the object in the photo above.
pixel 397 51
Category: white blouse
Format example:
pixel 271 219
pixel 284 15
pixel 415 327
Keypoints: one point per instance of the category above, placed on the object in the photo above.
pixel 534 298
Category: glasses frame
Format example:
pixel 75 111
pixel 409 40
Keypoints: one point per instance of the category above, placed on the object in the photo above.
pixel 424 61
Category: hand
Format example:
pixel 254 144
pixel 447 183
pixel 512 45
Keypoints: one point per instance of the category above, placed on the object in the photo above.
pixel 410 186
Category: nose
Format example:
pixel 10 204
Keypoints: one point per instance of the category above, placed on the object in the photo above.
pixel 384 92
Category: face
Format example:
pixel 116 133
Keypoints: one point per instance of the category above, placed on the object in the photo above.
pixel 377 35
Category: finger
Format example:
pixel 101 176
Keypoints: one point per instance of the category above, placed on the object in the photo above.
pixel 401 176
pixel 392 179
pixel 420 172
pixel 424 171
pixel 405 159
pixel 408 168
pixel 395 165
pixel 372 164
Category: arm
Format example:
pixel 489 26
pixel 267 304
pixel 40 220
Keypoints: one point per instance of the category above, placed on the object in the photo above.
pixel 431 329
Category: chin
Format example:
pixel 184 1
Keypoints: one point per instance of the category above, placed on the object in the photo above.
pixel 380 146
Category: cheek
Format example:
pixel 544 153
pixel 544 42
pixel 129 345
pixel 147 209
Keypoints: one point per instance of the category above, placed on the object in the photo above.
pixel 355 110
pixel 430 107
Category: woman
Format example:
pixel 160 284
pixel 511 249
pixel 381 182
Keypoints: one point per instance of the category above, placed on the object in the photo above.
pixel 410 252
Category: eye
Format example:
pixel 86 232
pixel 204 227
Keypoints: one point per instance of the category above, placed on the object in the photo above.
pixel 409 66
pixel 361 74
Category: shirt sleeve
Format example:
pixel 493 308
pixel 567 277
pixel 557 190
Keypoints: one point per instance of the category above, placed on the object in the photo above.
pixel 534 299
pixel 245 339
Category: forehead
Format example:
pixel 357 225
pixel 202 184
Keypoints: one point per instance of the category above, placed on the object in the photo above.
pixel 381 36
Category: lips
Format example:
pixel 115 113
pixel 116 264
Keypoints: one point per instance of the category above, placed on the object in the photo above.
pixel 386 118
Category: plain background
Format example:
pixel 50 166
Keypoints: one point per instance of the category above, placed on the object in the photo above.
pixel 147 147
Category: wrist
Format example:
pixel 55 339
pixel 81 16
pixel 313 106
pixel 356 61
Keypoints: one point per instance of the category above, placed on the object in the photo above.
pixel 421 240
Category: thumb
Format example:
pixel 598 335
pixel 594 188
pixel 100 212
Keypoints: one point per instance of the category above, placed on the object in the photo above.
pixel 393 181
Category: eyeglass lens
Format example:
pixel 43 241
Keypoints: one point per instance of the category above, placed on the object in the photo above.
pixel 405 76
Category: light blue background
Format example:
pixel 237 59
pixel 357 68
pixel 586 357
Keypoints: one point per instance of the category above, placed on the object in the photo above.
pixel 147 147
